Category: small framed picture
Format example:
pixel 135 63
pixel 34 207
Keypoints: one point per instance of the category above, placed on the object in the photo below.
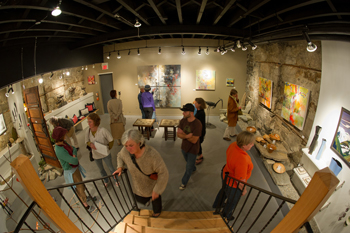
pixel 2 124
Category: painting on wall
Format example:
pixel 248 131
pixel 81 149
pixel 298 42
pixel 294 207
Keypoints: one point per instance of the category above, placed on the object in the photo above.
pixel 265 91
pixel 341 140
pixel 147 75
pixel 91 80
pixel 205 79
pixel 295 103
pixel 230 82
pixel 2 124
pixel 165 82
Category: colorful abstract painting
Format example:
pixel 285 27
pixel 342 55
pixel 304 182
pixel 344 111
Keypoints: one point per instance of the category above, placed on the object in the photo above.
pixel 295 103
pixel 341 140
pixel 91 80
pixel 205 79
pixel 230 82
pixel 165 82
pixel 147 75
pixel 265 92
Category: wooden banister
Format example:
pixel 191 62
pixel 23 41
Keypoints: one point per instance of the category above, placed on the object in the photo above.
pixel 36 190
pixel 321 187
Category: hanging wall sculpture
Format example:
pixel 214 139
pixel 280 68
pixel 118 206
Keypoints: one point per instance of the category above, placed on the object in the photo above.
pixel 295 102
pixel 165 81
pixel 205 80
pixel 341 140
pixel 265 91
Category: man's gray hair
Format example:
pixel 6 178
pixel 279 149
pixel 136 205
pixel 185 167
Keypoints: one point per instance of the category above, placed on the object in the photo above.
pixel 134 135
pixel 54 121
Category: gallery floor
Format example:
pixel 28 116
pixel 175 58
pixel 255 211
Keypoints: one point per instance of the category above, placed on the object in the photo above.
pixel 203 184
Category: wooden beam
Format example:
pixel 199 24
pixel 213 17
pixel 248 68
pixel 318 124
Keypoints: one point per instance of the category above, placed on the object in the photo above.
pixel 157 11
pixel 36 190
pixel 330 4
pixel 201 10
pixel 129 8
pixel 179 12
pixel 227 7
pixel 321 187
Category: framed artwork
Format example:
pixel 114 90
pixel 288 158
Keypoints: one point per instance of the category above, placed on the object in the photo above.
pixel 230 82
pixel 341 140
pixel 295 103
pixel 265 91
pixel 165 82
pixel 205 80
pixel 91 79
pixel 2 124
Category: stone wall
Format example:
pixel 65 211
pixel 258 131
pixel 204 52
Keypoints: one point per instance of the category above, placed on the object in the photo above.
pixel 4 109
pixel 56 84
pixel 284 62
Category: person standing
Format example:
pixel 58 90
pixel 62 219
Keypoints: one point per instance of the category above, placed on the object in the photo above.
pixel 189 130
pixel 239 166
pixel 143 161
pixel 200 105
pixel 139 96
pixel 67 124
pixel 100 135
pixel 117 120
pixel 148 102
pixel 232 115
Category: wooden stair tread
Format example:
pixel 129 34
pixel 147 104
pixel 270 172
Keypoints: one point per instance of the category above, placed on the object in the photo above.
pixel 176 223
pixel 131 228
pixel 181 215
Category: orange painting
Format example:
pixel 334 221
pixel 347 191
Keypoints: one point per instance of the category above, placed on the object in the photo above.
pixel 265 92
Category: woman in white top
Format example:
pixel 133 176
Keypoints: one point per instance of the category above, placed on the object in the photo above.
pixel 117 120
pixel 99 136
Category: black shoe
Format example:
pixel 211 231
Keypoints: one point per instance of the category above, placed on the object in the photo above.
pixel 89 198
pixel 77 148
pixel 230 218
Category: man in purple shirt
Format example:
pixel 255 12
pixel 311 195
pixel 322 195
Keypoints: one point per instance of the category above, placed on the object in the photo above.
pixel 148 102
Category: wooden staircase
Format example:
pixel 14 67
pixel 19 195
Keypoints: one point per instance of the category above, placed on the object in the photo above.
pixel 172 222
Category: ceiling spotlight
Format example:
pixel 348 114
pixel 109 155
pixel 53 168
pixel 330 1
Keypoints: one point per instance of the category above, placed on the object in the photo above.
pixel 82 68
pixel 10 89
pixel 119 55
pixel 41 80
pixel 311 47
pixel 67 73
pixel 138 51
pixel 50 76
pixel 159 51
pixel 199 51
pixel 137 24
pixel 129 52
pixel 37 22
pixel 57 11
pixel 244 48
pixel 253 45
pixel 207 52
pixel 233 49
pixel 109 55
pixel 86 68
pixel 238 44
pixel 93 66
pixel 183 51
pixel 7 94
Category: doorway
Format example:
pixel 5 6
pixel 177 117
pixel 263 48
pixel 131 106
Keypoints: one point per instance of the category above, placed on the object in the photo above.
pixel 106 82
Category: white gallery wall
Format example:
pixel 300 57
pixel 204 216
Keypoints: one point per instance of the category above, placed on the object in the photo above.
pixel 334 94
pixel 230 65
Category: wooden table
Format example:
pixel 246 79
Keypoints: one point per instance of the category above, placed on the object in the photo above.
pixel 169 123
pixel 147 123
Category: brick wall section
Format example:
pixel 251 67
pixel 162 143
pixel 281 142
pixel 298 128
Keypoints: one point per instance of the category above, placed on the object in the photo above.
pixel 284 62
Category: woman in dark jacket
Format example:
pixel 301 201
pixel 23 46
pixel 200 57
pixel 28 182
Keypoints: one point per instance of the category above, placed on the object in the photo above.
pixel 200 105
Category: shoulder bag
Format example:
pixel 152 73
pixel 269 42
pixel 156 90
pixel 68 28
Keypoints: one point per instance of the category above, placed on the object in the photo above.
pixel 153 176
pixel 90 150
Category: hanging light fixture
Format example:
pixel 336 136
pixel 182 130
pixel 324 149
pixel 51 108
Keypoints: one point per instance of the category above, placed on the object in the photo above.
pixel 159 51
pixel 207 52
pixel 93 66
pixel 244 48
pixel 41 80
pixel 137 24
pixel 199 51
pixel 238 44
pixel 138 51
pixel 86 68
pixel 129 52
pixel 67 73
pixel 253 45
pixel 57 11
pixel 109 55
pixel 10 89
pixel 183 51
pixel 119 55
pixel 311 47
pixel 233 48
pixel 82 68
pixel 51 75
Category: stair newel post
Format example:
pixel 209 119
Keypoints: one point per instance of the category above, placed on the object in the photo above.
pixel 222 194
pixel 136 208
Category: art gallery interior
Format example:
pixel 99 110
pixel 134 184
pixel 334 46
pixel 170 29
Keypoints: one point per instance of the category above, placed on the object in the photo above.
pixel 77 59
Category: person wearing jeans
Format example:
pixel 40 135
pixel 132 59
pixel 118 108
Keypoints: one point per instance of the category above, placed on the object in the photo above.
pixel 189 130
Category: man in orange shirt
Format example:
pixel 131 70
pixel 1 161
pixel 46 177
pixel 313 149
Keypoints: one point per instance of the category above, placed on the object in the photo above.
pixel 238 166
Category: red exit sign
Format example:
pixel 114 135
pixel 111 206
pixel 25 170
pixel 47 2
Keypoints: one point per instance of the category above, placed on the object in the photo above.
pixel 104 66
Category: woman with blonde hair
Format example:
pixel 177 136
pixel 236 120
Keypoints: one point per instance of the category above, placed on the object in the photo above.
pixel 200 105
pixel 232 115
